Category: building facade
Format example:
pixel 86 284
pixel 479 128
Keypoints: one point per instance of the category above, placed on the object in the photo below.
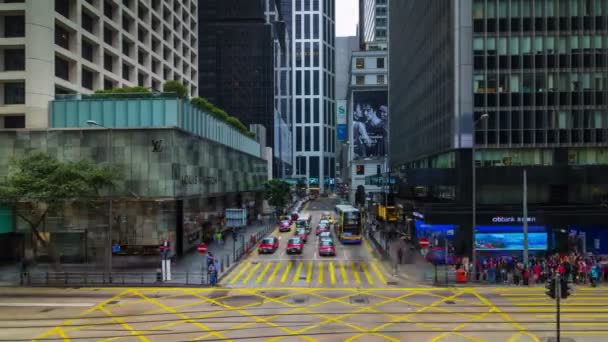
pixel 76 46
pixel 313 82
pixel 525 83
pixel 283 149
pixel 373 24
pixel 368 121
pixel 177 175
pixel 236 60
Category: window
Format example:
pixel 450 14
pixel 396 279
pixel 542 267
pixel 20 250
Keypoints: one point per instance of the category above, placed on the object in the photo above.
pixel 87 79
pixel 14 26
pixel 88 22
pixel 108 84
pixel 14 93
pixel 62 37
pixel 126 72
pixel 360 63
pixel 63 7
pixel 381 33
pixel 108 62
pixel 380 63
pixel 14 121
pixel 62 68
pixel 108 9
pixel 360 170
pixel 381 22
pixel 380 79
pixel 298 138
pixel 108 36
pixel 316 139
pixel 307 138
pixel 359 80
pixel 87 51
pixel 14 59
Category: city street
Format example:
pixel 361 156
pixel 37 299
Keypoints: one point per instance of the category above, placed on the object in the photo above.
pixel 299 314
pixel 353 265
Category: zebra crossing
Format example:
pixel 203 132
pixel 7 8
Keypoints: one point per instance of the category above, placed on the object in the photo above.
pixel 306 273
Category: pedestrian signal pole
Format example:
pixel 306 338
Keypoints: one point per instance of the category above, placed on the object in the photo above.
pixel 558 295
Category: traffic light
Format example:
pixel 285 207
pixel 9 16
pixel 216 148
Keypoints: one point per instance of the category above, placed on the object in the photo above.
pixel 565 288
pixel 550 286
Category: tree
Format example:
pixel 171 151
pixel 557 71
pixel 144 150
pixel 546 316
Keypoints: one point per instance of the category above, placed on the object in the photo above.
pixel 37 183
pixel 277 191
pixel 360 195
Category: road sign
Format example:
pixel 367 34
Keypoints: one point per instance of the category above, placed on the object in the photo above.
pixel 424 243
pixel 202 248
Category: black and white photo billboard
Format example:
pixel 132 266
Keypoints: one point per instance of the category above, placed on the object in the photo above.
pixel 370 124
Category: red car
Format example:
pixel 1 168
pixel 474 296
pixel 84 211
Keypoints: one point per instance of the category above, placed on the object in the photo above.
pixel 301 233
pixel 268 245
pixel 294 245
pixel 322 228
pixel 327 248
pixel 285 226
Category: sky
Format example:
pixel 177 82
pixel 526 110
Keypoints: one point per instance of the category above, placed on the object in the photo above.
pixel 347 15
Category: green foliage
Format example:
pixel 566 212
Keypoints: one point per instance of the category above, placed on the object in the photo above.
pixel 38 182
pixel 277 191
pixel 124 92
pixel 176 87
pixel 218 113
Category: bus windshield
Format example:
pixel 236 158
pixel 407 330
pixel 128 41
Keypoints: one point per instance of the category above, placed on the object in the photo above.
pixel 351 219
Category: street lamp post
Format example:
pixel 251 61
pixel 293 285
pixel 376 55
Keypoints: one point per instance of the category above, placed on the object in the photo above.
pixel 483 117
pixel 108 249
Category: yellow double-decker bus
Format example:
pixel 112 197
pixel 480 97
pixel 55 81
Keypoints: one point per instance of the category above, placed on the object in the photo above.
pixel 349 224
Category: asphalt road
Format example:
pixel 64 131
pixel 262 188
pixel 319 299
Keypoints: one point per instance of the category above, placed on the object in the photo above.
pixel 299 314
pixel 353 265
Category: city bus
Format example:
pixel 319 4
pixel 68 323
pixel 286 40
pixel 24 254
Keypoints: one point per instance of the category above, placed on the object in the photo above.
pixel 349 224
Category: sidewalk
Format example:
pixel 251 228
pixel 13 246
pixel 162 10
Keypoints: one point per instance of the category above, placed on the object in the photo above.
pixel 191 263
pixel 411 267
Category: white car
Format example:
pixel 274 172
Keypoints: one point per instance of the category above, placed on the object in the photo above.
pixel 325 236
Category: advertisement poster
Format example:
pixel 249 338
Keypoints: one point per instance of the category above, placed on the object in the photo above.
pixel 510 241
pixel 370 124
pixel 341 126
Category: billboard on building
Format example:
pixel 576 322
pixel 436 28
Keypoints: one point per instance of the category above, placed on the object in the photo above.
pixel 370 124
pixel 341 127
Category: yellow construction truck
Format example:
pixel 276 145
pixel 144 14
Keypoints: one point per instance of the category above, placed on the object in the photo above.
pixel 387 210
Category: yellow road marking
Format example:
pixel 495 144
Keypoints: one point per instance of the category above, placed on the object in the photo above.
pixel 309 272
pixel 320 273
pixel 343 273
pixel 370 280
pixel 61 333
pixel 286 272
pixel 241 272
pixel 251 273
pixel 378 273
pixel 274 273
pixel 296 275
pixel 125 325
pixel 353 268
pixel 261 276
pixel 332 275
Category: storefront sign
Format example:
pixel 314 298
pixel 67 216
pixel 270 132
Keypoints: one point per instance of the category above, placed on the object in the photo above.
pixel 509 219
pixel 192 180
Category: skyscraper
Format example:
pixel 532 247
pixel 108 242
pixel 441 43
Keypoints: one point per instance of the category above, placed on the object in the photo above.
pixel 373 24
pixel 525 84
pixel 75 46
pixel 313 78
pixel 236 70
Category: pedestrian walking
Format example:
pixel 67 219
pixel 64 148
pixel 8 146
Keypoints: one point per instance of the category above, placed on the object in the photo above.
pixel 212 272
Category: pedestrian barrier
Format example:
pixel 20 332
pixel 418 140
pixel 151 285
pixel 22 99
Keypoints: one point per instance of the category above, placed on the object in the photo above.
pixel 154 278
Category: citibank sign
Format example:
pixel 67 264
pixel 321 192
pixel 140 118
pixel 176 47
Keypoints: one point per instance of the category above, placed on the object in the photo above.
pixel 509 219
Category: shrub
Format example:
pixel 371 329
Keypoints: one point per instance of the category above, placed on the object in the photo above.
pixel 124 92
pixel 206 106
pixel 176 87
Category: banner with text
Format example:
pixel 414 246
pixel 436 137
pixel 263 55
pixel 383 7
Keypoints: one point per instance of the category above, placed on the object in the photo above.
pixel 370 124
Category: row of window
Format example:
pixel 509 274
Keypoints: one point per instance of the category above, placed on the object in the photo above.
pixel 540 137
pixel 314 169
pixel 540 82
pixel 544 119
pixel 360 80
pixel 308 139
pixel 538 8
pixel 517 45
pixel 360 63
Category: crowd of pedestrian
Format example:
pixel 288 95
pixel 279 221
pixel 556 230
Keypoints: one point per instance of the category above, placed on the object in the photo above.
pixel 574 267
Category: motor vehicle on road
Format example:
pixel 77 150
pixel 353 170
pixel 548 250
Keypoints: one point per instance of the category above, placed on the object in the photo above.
pixel 268 245
pixel 325 236
pixel 294 245
pixel 327 248
pixel 285 226
pixel 302 234
pixel 322 228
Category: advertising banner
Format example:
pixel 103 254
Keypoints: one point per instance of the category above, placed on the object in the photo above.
pixel 341 132
pixel 370 124
pixel 341 112
pixel 510 241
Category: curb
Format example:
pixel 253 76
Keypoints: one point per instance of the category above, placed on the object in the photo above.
pixel 246 256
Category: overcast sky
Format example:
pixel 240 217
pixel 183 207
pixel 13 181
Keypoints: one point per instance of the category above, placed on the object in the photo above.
pixel 347 15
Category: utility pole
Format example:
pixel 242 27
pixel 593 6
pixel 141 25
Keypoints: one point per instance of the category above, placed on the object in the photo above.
pixel 525 205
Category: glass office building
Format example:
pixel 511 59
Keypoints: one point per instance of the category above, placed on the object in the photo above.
pixel 529 78
pixel 313 75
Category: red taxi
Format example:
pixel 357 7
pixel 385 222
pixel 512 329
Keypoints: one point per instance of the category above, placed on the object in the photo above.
pixel 268 245
pixel 294 245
